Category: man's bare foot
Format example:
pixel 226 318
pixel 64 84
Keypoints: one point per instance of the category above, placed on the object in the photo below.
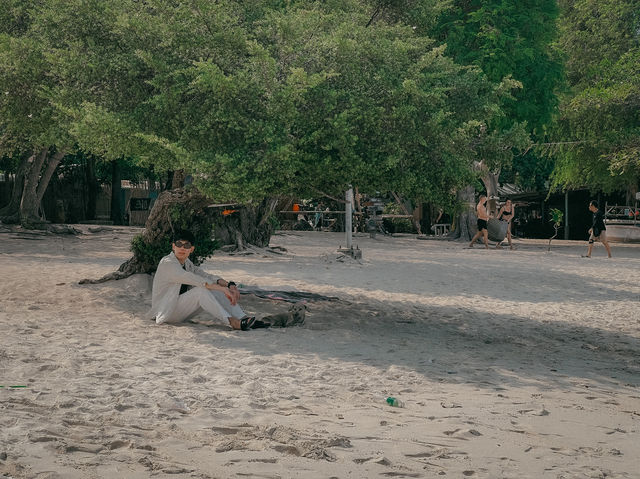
pixel 234 323
pixel 470 245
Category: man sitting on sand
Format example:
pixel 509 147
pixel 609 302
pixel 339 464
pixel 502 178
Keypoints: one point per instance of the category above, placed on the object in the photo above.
pixel 483 217
pixel 598 230
pixel 181 289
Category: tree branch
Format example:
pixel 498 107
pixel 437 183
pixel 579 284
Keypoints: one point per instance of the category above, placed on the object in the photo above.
pixel 375 14
pixel 344 202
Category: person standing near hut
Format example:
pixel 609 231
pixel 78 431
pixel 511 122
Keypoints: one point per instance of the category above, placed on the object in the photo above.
pixel 598 230
pixel 507 213
pixel 483 218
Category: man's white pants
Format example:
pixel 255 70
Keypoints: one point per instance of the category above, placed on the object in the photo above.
pixel 198 299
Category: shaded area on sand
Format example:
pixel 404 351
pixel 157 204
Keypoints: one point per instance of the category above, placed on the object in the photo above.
pixel 283 295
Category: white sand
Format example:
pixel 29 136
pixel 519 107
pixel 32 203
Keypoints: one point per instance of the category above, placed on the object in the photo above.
pixel 512 364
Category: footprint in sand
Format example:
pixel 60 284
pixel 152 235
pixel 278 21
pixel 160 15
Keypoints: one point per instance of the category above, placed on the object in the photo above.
pixel 89 448
pixel 117 444
pixel 581 451
pixel 232 446
pixel 48 367
pixel 188 359
pixel 38 438
pixel 436 453
pixel 378 460
pixel 463 434
pixel 123 407
pixel 534 412
pixel 400 474
pixel 227 430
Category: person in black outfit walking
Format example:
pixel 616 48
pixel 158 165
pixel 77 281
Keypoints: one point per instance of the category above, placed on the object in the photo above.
pixel 598 230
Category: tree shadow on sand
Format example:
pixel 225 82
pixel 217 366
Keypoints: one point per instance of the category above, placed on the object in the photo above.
pixel 444 344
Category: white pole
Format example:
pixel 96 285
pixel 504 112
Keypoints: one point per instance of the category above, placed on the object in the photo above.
pixel 348 228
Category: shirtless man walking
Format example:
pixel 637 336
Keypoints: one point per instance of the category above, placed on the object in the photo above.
pixel 483 217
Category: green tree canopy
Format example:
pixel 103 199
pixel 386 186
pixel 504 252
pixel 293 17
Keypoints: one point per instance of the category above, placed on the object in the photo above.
pixel 599 121
pixel 258 100
pixel 511 39
pixel 255 99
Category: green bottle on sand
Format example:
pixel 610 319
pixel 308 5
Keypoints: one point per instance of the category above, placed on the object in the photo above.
pixel 395 402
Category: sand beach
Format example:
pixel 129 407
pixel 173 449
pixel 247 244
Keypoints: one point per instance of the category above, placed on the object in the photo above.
pixel 511 364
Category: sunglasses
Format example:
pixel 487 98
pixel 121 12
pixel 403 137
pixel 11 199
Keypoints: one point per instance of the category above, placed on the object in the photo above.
pixel 182 244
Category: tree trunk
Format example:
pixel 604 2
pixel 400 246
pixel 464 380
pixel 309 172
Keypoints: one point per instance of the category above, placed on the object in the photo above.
pixel 174 209
pixel 407 211
pixel 465 224
pixel 28 192
pixel 187 208
pixel 167 185
pixel 116 189
pixel 52 164
pixel 92 188
pixel 29 204
pixel 175 179
pixel 490 180
pixel 36 182
pixel 10 213
pixel 248 225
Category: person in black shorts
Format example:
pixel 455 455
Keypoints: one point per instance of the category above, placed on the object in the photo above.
pixel 598 230
pixel 483 217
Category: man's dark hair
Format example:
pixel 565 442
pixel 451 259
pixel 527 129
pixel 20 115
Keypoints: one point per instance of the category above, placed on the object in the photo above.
pixel 184 235
pixel 594 203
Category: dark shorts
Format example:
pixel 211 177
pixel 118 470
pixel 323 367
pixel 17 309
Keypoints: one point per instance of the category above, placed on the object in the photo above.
pixel 482 225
